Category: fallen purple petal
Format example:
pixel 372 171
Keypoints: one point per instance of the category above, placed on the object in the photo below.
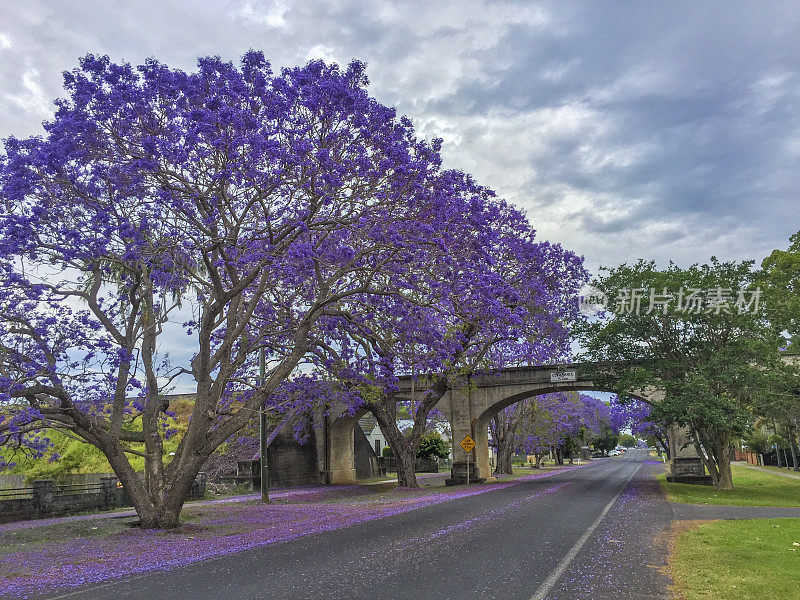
pixel 214 528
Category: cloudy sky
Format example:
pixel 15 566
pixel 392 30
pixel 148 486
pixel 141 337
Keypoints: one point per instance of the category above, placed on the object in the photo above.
pixel 661 130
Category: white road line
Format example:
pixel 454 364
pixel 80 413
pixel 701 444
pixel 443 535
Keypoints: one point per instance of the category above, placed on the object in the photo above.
pixel 552 579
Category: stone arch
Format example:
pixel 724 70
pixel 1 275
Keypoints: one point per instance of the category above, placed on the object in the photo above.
pixel 341 447
pixel 481 428
pixel 493 409
pixel 471 401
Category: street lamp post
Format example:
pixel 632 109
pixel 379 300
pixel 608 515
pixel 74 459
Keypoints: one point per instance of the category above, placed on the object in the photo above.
pixel 262 431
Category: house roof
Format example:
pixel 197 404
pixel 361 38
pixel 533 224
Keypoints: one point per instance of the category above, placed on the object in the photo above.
pixel 368 423
pixel 443 427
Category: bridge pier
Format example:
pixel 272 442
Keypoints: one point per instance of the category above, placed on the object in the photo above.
pixel 464 404
pixel 483 469
pixel 685 465
pixel 342 469
pixel 347 454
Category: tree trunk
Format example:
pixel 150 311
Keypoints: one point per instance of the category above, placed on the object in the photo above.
pixel 165 516
pixel 406 468
pixel 164 512
pixel 504 456
pixel 794 449
pixel 713 448
pixel 722 457
pixel 162 515
pixel 503 438
pixel 538 461
pixel 725 479
pixel 504 461
pixel 405 446
pixel 665 446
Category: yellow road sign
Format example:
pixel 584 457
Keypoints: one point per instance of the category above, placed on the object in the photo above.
pixel 467 444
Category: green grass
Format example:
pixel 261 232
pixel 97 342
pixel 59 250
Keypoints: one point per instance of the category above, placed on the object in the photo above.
pixel 738 560
pixel 75 456
pixel 391 477
pixel 750 488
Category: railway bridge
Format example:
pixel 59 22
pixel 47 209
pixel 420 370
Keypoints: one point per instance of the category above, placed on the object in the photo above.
pixel 471 403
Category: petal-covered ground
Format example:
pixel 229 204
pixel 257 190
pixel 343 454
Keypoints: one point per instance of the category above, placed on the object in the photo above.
pixel 42 556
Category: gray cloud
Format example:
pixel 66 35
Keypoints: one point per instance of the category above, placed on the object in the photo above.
pixel 626 130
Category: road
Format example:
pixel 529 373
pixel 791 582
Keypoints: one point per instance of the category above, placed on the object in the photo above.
pixel 591 533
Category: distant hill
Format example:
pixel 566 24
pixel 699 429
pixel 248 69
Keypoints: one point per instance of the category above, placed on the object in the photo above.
pixel 69 455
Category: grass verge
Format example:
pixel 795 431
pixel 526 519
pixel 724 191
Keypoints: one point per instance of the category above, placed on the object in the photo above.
pixel 736 560
pixel 750 488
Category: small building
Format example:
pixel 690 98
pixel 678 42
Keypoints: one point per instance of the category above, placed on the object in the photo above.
pixel 373 433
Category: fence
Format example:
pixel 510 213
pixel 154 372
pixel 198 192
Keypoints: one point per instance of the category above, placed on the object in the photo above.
pixel 421 465
pixel 751 457
pixel 47 499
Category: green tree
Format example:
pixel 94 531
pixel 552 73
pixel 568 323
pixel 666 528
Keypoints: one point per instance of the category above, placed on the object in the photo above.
pixel 756 441
pixel 780 282
pixel 627 440
pixel 569 447
pixel 690 332
pixel 432 446
pixel 606 440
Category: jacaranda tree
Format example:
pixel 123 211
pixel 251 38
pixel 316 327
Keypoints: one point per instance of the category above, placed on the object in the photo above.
pixel 558 422
pixel 481 295
pixel 240 205
pixel 633 414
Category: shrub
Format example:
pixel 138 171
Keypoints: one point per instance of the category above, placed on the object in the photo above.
pixel 433 446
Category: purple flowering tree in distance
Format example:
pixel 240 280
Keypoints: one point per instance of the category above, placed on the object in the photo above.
pixel 543 429
pixel 480 295
pixel 637 416
pixel 558 412
pixel 244 206
pixel 557 422
pixel 505 424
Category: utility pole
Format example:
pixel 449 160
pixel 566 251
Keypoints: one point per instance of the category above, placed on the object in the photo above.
pixel 262 430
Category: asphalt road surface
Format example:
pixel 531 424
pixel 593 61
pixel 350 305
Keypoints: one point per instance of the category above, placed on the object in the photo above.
pixel 592 533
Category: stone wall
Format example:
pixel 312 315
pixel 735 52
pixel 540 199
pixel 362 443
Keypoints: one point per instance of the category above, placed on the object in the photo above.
pixel 46 499
pixel 290 462
pixel 366 461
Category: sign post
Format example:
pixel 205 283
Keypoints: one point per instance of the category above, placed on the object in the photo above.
pixel 262 432
pixel 467 444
